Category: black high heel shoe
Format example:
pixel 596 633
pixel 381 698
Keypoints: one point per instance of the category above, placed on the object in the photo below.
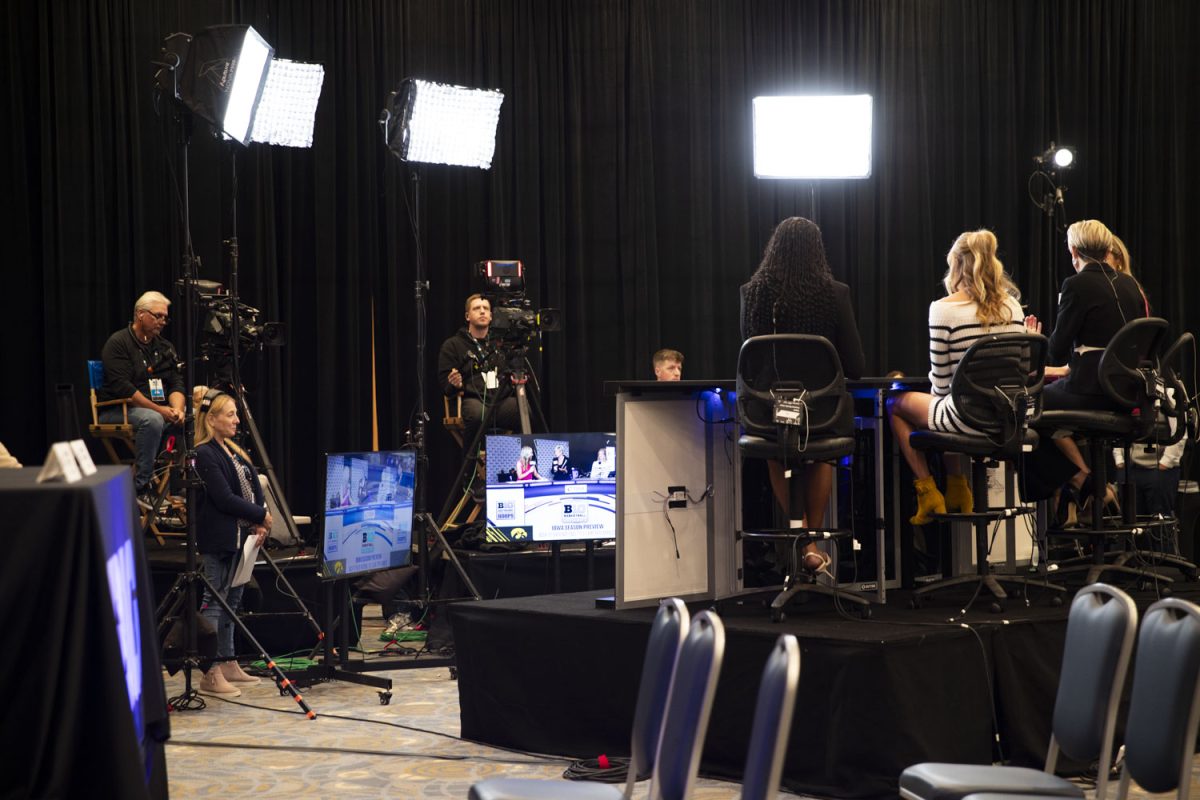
pixel 1070 504
pixel 1112 502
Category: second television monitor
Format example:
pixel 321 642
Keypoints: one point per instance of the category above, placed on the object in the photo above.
pixel 545 487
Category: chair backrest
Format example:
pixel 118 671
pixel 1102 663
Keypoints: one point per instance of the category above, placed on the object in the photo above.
pixel 772 720
pixel 1178 365
pixel 689 703
pixel 997 386
pixel 776 364
pixel 667 631
pixel 1131 360
pixel 1164 705
pixel 1100 632
pixel 95 371
pixel 95 374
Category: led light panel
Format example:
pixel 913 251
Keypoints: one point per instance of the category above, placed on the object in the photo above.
pixel 444 124
pixel 287 111
pixel 812 137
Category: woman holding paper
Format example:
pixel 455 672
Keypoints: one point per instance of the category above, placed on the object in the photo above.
pixel 231 509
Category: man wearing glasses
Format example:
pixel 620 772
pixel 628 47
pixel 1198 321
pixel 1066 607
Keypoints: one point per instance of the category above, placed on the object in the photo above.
pixel 141 366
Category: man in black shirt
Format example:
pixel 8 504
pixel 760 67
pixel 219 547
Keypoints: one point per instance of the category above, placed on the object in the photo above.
pixel 141 366
pixel 468 363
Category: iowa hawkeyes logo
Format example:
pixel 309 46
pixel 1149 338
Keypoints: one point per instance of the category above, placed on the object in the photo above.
pixel 519 533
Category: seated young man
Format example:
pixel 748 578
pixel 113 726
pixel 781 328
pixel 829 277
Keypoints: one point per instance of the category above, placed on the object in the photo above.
pixel 668 365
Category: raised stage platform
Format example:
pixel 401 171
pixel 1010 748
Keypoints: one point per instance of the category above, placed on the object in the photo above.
pixel 554 674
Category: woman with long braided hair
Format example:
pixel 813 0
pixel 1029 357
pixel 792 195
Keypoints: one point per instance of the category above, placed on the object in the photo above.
pixel 793 291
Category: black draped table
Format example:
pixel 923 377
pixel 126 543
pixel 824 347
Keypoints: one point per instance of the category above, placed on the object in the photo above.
pixel 83 711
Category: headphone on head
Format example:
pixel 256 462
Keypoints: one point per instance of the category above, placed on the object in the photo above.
pixel 209 398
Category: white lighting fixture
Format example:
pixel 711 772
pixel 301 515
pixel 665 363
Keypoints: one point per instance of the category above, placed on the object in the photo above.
pixel 812 137
pixel 288 109
pixel 437 123
pixel 1056 157
pixel 233 80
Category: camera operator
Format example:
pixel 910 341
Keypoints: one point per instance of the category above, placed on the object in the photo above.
pixel 469 363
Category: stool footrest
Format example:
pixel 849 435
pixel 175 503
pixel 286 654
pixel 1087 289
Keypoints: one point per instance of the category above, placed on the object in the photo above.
pixel 988 515
pixel 805 534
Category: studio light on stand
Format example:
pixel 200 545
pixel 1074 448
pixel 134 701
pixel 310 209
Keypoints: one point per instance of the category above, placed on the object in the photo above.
pixel 812 137
pixel 424 122
pixel 1047 191
pixel 227 75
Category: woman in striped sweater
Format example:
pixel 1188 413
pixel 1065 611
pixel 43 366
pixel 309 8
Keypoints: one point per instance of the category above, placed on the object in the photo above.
pixel 981 299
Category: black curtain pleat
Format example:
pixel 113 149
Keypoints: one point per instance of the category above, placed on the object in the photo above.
pixel 622 177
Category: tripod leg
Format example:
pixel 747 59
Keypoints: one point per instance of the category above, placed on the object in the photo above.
pixel 281 679
pixel 292 592
pixel 436 533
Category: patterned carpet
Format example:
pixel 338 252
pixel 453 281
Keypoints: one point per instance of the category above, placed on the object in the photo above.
pixel 260 744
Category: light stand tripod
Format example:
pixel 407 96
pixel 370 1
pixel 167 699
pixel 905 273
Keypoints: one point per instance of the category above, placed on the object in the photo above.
pixel 183 590
pixel 425 528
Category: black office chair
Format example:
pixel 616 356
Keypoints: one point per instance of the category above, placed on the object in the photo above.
pixel 997 391
pixel 791 400
pixel 1130 374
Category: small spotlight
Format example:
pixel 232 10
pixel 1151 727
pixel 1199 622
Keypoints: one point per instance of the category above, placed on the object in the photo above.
pixel 1056 157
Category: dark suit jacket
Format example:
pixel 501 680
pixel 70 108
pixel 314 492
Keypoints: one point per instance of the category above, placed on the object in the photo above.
pixel 221 501
pixel 1095 303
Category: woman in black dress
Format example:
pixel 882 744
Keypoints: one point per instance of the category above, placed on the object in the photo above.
pixel 793 291
pixel 1095 303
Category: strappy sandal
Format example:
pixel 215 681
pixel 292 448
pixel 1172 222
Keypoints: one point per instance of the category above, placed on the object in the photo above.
pixel 816 562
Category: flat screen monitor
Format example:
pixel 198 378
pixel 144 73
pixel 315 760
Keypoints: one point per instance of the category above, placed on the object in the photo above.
pixel 551 487
pixel 368 512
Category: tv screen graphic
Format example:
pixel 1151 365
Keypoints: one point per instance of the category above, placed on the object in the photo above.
pixel 368 511
pixel 546 487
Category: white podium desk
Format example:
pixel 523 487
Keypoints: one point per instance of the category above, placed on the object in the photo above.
pixel 677 468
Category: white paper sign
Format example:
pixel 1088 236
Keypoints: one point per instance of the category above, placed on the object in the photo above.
pixel 60 462
pixel 246 567
pixel 83 457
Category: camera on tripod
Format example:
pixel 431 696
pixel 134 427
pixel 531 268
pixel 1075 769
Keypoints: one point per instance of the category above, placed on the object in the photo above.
pixel 514 319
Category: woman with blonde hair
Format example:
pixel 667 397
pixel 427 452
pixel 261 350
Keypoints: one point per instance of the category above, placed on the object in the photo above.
pixel 980 300
pixel 231 509
pixel 1095 303
pixel 526 469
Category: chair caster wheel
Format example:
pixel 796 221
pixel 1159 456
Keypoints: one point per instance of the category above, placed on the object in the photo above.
pixel 777 615
pixel 385 698
pixel 914 602
pixel 1056 601
pixel 864 612
pixel 996 608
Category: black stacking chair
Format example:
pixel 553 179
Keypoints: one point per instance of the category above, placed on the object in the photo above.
pixel 997 390
pixel 667 633
pixel 799 378
pixel 1164 706
pixel 772 720
pixel 1100 632
pixel 1129 371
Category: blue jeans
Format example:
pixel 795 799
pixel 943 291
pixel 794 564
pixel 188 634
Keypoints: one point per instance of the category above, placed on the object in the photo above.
pixel 218 568
pixel 148 429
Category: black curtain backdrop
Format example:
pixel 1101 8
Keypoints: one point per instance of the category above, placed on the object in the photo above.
pixel 622 178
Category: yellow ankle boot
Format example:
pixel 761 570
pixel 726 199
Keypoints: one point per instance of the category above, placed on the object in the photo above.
pixel 929 501
pixel 958 494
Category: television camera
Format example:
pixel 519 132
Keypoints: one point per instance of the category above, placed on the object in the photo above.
pixel 514 320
